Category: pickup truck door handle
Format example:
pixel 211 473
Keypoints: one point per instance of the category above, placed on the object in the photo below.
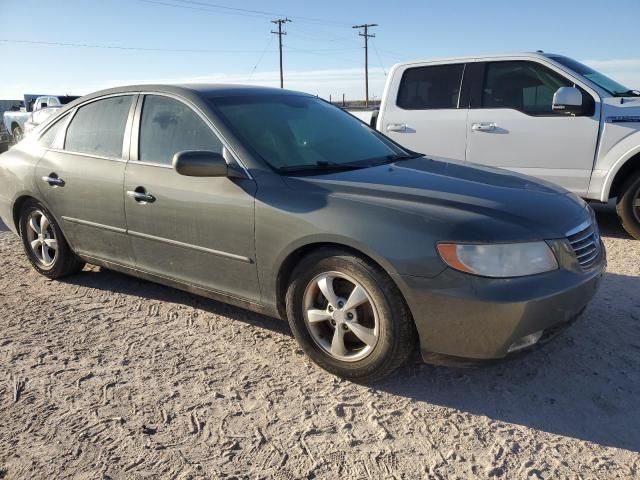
pixel 396 127
pixel 483 127
pixel 53 180
pixel 141 196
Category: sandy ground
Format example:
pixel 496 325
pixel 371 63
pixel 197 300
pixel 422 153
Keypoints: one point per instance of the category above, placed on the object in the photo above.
pixel 106 376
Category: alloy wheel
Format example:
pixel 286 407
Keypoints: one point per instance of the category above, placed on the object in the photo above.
pixel 635 204
pixel 341 316
pixel 42 238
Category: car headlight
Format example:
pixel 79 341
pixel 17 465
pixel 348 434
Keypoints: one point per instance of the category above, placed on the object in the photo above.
pixel 499 260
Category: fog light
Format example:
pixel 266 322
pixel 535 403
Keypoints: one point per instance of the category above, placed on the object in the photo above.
pixel 525 341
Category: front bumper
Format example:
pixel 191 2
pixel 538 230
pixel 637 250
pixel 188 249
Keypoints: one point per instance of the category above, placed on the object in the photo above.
pixel 466 316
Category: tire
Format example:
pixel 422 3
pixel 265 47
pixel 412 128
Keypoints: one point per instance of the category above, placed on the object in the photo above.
pixel 628 206
pixel 48 252
pixel 16 134
pixel 381 316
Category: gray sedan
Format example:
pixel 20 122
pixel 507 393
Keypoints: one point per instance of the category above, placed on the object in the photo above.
pixel 281 203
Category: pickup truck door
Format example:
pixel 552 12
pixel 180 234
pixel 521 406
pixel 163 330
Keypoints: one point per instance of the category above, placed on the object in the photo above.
pixel 426 115
pixel 197 230
pixel 511 124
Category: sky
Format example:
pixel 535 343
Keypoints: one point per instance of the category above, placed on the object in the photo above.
pixel 224 41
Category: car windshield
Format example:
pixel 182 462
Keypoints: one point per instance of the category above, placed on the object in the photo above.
pixel 301 134
pixel 604 82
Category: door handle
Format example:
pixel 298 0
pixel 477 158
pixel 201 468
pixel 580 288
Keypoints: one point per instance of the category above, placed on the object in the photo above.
pixel 396 127
pixel 483 127
pixel 141 196
pixel 53 180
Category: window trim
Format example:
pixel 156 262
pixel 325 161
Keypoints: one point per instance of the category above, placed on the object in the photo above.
pixel 435 65
pixel 134 146
pixel 126 137
pixel 478 92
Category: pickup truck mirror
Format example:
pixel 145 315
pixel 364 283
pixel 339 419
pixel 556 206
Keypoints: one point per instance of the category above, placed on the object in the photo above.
pixel 567 100
pixel 200 163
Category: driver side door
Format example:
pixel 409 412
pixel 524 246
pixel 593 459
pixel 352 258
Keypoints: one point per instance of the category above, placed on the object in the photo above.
pixel 196 230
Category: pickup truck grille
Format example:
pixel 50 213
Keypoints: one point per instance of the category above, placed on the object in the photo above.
pixel 586 245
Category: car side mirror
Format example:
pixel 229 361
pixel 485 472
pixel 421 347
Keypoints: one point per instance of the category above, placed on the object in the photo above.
pixel 200 163
pixel 567 100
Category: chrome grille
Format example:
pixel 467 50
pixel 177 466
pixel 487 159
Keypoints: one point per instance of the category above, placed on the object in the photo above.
pixel 586 245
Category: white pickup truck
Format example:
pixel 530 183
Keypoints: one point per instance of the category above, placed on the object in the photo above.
pixel 540 114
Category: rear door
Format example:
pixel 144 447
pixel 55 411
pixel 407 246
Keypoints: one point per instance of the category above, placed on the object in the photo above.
pixel 512 124
pixel 198 230
pixel 427 114
pixel 81 176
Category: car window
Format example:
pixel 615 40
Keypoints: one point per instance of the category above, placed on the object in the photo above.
pixel 54 102
pixel 433 87
pixel 98 127
pixel 524 86
pixel 169 126
pixel 48 138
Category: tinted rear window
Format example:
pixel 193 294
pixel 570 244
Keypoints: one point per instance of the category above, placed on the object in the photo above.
pixel 434 87
pixel 98 128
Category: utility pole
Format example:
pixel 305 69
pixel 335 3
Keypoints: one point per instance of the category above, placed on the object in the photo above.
pixel 280 33
pixel 366 56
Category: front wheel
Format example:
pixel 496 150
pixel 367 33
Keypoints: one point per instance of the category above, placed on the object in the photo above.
pixel 628 206
pixel 44 244
pixel 348 316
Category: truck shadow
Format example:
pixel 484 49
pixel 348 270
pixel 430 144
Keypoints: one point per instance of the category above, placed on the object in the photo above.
pixel 584 384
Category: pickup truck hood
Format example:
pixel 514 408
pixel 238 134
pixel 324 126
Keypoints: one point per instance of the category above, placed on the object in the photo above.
pixel 476 203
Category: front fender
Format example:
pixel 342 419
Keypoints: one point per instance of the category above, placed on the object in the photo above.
pixel 612 159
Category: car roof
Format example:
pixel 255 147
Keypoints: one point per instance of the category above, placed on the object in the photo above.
pixel 201 89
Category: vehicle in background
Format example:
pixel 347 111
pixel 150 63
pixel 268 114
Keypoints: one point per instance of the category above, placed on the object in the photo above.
pixel 15 119
pixel 38 117
pixel 279 202
pixel 541 114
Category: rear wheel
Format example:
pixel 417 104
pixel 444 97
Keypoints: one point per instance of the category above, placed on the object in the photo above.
pixel 628 206
pixel 44 243
pixel 17 134
pixel 348 316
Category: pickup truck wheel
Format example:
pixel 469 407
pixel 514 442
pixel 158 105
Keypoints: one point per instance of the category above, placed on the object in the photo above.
pixel 17 134
pixel 348 316
pixel 44 243
pixel 628 206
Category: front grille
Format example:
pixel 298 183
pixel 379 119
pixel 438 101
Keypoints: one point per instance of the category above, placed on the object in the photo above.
pixel 586 245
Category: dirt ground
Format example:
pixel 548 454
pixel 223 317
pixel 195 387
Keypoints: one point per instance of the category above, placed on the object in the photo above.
pixel 105 376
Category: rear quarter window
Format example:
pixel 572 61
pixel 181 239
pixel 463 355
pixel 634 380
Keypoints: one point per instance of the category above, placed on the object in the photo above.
pixel 431 87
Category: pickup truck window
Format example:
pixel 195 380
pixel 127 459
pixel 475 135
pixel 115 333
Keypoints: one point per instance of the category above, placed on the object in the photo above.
pixel 433 87
pixel 98 127
pixel 169 126
pixel 520 85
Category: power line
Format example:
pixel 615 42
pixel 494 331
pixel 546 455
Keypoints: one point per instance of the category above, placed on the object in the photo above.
pixel 375 49
pixel 280 33
pixel 366 36
pixel 121 47
pixel 227 10
pixel 261 57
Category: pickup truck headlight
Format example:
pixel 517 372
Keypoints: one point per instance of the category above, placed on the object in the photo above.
pixel 499 260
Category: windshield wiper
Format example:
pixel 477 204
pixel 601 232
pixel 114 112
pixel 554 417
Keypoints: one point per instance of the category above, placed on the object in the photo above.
pixel 399 157
pixel 319 167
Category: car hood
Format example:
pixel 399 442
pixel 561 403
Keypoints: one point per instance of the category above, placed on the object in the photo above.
pixel 472 202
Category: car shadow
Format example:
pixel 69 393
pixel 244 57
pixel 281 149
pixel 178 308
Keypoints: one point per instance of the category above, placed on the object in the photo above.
pixel 109 280
pixel 609 222
pixel 3 227
pixel 584 384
